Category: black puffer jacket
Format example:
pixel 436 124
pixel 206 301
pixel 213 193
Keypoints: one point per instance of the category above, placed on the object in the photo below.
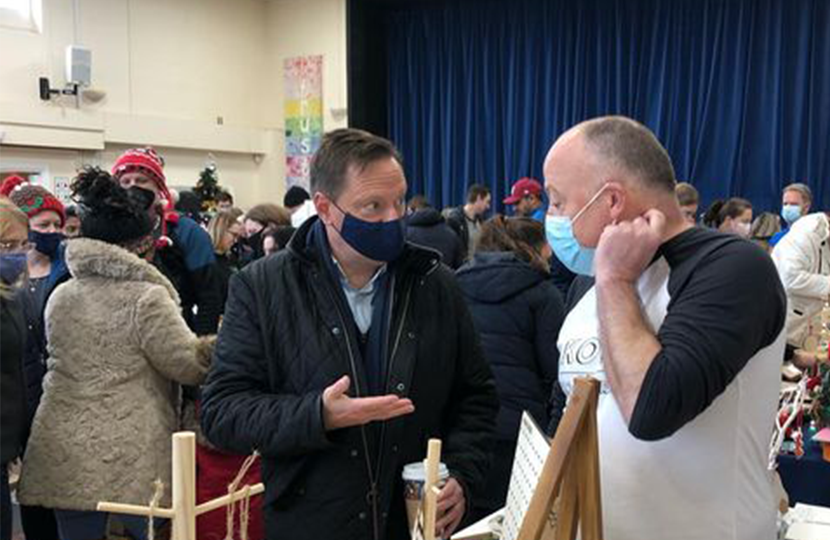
pixel 428 228
pixel 13 426
pixel 517 312
pixel 286 336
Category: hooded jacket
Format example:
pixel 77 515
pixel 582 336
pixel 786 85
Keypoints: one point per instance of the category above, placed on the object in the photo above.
pixel 517 312
pixel 428 228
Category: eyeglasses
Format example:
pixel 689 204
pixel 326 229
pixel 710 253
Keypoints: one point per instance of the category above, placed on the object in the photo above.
pixel 21 246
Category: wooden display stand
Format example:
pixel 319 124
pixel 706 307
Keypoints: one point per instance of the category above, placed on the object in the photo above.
pixel 565 488
pixel 184 509
pixel 568 494
pixel 427 515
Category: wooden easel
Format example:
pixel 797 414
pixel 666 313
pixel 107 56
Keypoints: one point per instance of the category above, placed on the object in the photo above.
pixel 425 523
pixel 184 509
pixel 568 494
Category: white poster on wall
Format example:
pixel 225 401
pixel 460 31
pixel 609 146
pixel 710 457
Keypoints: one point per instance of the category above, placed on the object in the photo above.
pixel 62 191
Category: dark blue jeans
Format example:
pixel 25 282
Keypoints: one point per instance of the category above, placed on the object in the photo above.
pixel 90 525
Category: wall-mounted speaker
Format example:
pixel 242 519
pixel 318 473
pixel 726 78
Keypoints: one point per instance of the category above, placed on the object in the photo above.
pixel 78 65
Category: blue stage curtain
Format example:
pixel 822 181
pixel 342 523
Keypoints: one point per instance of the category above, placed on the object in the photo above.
pixel 737 90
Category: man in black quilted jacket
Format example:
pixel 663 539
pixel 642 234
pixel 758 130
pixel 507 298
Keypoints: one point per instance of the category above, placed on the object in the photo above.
pixel 339 357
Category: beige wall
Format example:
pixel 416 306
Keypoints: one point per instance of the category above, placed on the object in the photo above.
pixel 300 28
pixel 170 68
pixel 305 27
pixel 188 59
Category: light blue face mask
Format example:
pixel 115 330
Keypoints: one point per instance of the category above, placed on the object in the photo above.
pixel 560 235
pixel 791 213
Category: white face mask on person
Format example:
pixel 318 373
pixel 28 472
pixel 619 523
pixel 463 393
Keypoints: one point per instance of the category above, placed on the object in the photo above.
pixel 742 229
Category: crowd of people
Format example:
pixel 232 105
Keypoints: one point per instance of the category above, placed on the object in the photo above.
pixel 354 324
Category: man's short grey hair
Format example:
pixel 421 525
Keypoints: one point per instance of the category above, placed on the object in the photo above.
pixel 804 189
pixel 631 146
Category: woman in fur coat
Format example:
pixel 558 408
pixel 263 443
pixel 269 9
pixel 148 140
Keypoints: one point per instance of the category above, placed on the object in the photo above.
pixel 119 349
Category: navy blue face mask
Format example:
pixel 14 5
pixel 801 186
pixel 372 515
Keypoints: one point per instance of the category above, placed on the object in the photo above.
pixel 46 243
pixel 12 266
pixel 381 241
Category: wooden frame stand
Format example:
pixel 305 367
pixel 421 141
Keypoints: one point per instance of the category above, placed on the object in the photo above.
pixel 184 509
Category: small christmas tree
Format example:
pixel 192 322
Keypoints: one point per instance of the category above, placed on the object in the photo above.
pixel 207 188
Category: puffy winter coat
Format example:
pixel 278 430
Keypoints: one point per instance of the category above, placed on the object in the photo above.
pixel 517 312
pixel 802 258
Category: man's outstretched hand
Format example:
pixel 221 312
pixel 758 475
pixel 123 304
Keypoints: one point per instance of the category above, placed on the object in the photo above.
pixel 341 411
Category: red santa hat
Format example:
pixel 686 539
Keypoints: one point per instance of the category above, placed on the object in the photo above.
pixel 10 183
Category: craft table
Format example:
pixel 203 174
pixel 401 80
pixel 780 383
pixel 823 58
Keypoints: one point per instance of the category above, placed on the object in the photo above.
pixel 807 480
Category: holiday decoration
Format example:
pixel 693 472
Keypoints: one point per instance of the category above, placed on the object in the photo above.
pixel 804 405
pixel 787 435
pixel 207 188
pixel 818 383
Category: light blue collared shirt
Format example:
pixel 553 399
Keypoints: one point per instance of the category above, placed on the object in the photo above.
pixel 360 300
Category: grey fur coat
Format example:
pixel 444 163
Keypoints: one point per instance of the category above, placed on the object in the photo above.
pixel 118 350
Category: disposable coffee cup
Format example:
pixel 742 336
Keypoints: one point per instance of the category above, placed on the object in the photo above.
pixel 414 477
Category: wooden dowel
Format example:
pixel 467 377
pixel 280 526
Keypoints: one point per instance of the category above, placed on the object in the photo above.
pixel 184 486
pixel 430 502
pixel 133 510
pixel 225 500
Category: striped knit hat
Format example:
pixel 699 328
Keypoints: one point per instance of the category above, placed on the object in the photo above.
pixel 30 198
pixel 144 160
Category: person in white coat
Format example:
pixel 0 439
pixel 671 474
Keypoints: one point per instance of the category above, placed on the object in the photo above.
pixel 802 258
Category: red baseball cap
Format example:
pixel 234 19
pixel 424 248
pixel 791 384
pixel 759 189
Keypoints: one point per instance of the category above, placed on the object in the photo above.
pixel 522 188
